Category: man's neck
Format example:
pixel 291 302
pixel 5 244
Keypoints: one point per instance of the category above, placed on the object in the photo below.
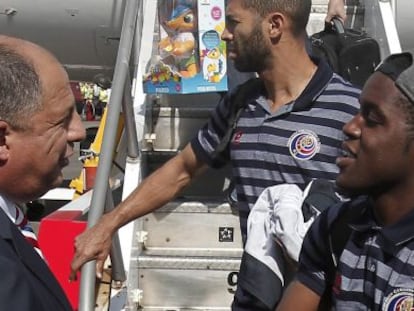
pixel 392 206
pixel 289 76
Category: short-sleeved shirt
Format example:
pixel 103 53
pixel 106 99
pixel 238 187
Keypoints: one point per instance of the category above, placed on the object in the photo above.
pixel 295 144
pixel 375 269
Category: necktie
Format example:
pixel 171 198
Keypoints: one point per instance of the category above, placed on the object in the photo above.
pixel 17 216
pixel 26 229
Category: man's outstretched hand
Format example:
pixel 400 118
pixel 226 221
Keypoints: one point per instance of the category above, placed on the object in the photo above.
pixel 93 244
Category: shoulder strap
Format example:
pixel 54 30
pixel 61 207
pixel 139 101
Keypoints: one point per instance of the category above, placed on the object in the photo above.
pixel 339 234
pixel 340 230
pixel 337 238
pixel 237 102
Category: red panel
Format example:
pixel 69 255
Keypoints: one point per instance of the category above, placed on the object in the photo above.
pixel 56 237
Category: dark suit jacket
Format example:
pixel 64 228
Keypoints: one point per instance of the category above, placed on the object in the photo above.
pixel 26 283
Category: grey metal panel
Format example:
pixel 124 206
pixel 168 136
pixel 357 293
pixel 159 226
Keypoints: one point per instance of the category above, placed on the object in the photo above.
pixel 197 207
pixel 211 185
pixel 188 263
pixel 170 283
pixel 172 120
pixel 174 127
pixel 404 18
pixel 193 228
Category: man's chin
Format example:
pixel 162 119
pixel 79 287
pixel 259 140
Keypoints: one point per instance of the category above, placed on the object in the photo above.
pixel 348 189
pixel 243 68
pixel 57 181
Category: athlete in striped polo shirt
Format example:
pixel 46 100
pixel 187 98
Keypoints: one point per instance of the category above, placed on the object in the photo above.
pixel 376 263
pixel 290 129
pixel 295 144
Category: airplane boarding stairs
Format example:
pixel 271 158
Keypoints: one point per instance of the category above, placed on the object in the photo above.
pixel 186 255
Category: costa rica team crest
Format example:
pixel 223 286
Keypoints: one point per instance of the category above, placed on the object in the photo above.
pixel 401 299
pixel 304 144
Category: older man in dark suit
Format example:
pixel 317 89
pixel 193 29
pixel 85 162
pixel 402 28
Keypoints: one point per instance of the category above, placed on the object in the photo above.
pixel 38 127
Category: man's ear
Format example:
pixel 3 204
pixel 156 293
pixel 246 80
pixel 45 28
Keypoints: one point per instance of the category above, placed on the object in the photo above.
pixel 4 150
pixel 276 22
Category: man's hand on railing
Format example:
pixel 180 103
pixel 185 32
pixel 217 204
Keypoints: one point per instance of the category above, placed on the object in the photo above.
pixel 93 244
pixel 336 8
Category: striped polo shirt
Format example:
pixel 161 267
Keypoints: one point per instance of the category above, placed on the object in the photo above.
pixel 376 267
pixel 295 144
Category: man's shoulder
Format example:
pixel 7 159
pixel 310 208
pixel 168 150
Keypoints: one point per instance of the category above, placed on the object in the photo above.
pixel 341 95
pixel 344 213
pixel 340 85
pixel 339 211
pixel 5 223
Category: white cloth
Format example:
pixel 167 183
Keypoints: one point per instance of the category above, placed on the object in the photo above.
pixel 277 216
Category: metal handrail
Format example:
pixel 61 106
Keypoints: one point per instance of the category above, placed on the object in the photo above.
pixel 379 22
pixel 87 284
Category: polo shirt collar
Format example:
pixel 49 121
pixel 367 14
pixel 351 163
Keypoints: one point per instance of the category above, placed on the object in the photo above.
pixel 315 87
pixel 394 235
pixel 402 231
pixel 362 219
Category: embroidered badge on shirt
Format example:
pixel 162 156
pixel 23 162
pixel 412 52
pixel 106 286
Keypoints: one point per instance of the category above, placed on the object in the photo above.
pixel 304 144
pixel 399 300
pixel 237 137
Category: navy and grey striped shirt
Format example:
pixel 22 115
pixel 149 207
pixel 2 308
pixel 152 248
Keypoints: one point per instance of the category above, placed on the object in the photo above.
pixel 376 268
pixel 295 144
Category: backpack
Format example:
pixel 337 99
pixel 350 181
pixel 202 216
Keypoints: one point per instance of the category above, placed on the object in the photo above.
pixel 351 53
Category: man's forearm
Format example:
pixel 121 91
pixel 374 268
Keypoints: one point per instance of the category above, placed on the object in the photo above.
pixel 156 190
pixel 298 297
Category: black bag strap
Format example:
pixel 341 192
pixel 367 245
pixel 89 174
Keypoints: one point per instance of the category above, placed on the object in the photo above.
pixel 340 231
pixel 321 195
pixel 346 34
pixel 326 45
pixel 339 234
pixel 237 103
pixel 338 26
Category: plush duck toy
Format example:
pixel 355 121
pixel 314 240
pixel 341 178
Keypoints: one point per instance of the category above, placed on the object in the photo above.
pixel 180 43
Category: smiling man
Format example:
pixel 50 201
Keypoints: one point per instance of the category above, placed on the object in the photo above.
pixel 375 269
pixel 38 128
